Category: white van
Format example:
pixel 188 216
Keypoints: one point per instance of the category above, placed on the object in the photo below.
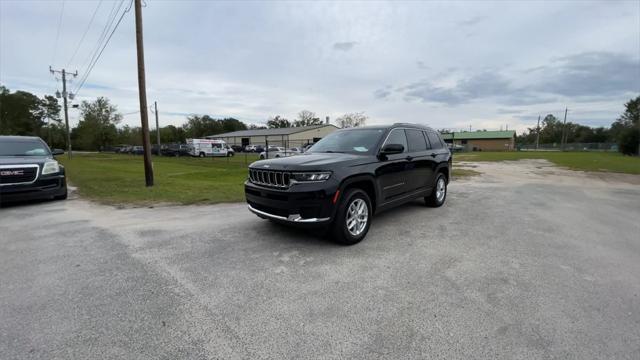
pixel 207 147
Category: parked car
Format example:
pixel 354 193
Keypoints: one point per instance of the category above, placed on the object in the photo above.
pixel 237 148
pixel 176 150
pixel 350 175
pixel 137 150
pixel 296 150
pixel 28 170
pixel 276 152
pixel 250 148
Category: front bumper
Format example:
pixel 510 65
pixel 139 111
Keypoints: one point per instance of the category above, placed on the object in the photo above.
pixel 300 204
pixel 43 188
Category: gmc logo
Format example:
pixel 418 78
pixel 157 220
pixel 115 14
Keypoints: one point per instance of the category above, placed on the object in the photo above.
pixel 11 172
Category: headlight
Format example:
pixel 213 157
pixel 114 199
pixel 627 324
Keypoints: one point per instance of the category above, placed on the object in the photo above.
pixel 50 167
pixel 307 177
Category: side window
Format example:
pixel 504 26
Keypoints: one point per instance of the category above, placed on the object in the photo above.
pixel 416 141
pixel 427 139
pixel 397 137
pixel 434 140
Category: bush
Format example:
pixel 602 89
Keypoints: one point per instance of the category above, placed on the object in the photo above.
pixel 628 141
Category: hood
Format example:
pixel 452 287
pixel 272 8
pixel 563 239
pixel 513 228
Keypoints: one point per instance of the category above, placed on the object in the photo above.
pixel 310 162
pixel 18 160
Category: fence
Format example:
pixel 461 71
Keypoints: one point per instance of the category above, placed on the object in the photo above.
pixel 569 147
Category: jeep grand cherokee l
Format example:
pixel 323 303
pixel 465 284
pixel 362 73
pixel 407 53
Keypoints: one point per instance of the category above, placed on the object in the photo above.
pixel 348 176
pixel 29 171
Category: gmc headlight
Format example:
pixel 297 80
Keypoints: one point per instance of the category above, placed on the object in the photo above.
pixel 310 176
pixel 50 167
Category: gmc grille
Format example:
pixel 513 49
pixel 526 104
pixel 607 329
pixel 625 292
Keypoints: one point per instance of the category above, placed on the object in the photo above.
pixel 279 179
pixel 18 174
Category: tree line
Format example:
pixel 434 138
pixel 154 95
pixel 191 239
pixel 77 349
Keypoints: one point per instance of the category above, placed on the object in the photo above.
pixel 625 131
pixel 23 113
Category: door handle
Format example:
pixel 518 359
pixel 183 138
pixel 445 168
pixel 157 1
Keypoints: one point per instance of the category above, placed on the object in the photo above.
pixel 434 154
pixel 409 158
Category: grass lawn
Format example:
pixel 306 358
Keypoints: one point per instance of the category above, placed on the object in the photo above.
pixel 119 179
pixel 586 161
pixel 116 178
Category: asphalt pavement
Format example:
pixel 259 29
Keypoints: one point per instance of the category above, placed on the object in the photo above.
pixel 524 262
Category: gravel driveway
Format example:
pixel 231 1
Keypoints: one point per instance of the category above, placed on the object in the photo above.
pixel 527 261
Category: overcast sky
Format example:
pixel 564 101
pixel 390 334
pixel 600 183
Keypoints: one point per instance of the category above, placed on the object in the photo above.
pixel 444 64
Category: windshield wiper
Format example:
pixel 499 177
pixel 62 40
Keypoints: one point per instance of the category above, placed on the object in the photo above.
pixel 333 152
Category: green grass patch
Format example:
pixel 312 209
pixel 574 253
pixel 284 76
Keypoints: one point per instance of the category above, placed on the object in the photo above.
pixel 118 179
pixel 585 161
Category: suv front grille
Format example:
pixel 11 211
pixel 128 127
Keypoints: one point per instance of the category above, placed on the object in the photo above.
pixel 273 178
pixel 18 174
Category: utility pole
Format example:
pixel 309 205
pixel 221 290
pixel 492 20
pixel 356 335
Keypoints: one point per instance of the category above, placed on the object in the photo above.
pixel 66 108
pixel 142 90
pixel 563 139
pixel 155 106
pixel 538 134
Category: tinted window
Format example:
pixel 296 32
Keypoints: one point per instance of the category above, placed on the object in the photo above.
pixel 397 137
pixel 416 141
pixel 434 139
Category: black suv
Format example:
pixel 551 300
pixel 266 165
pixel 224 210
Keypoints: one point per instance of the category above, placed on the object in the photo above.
pixel 29 171
pixel 350 175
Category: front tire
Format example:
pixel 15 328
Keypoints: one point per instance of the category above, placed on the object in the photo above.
pixel 353 217
pixel 201 154
pixel 439 192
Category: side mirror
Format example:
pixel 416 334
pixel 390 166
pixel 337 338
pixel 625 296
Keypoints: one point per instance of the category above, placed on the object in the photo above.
pixel 391 149
pixel 57 152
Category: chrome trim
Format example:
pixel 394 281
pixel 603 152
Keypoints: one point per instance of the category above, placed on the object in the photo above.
pixel 22 165
pixel 295 218
pixel 392 186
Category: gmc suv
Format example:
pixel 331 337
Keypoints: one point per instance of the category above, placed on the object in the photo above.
pixel 29 171
pixel 348 176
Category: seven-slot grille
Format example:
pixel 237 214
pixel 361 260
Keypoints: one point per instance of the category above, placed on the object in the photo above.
pixel 273 178
pixel 19 174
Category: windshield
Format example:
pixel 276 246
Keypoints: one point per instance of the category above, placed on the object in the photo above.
pixel 357 141
pixel 23 148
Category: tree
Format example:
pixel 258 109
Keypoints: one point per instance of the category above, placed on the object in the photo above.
pixel 278 122
pixel 23 113
pixel 626 129
pixel 306 118
pixel 352 120
pixel 97 127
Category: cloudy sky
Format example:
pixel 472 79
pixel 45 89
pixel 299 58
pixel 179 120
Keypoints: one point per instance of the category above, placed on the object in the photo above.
pixel 445 64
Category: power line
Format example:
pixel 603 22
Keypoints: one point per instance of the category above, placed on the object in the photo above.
pixel 55 46
pixel 103 33
pixel 85 33
pixel 86 75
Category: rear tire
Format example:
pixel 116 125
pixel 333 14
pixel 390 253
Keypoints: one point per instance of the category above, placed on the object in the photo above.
pixel 201 154
pixel 439 192
pixel 353 217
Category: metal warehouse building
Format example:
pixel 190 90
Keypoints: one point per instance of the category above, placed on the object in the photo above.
pixel 483 140
pixel 286 137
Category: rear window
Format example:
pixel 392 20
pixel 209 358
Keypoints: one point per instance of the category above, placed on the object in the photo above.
pixel 434 140
pixel 23 148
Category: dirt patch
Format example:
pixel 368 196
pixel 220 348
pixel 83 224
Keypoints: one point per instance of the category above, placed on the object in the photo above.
pixel 543 171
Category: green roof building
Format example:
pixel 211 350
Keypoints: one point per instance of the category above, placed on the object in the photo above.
pixel 482 140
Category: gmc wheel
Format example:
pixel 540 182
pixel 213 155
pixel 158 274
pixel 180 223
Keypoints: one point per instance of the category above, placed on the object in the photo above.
pixel 201 154
pixel 353 217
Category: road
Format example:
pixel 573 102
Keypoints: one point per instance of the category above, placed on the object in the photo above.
pixel 524 262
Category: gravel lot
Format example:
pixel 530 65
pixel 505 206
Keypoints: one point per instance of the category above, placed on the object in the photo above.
pixel 524 262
